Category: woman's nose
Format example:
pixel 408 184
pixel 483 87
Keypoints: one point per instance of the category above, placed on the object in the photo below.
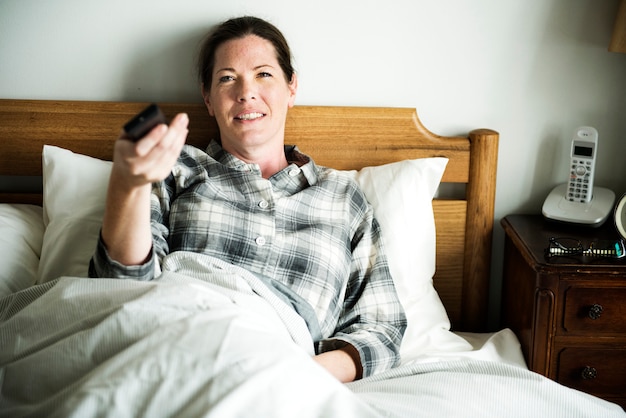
pixel 246 91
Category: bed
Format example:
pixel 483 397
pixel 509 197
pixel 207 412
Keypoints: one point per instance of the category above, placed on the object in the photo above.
pixel 73 346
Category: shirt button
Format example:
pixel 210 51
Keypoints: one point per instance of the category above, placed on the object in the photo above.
pixel 294 172
pixel 263 204
pixel 260 241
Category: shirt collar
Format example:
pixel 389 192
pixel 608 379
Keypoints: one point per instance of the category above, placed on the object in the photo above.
pixel 307 165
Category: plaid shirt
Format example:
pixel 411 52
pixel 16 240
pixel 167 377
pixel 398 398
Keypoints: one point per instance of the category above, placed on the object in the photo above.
pixel 307 231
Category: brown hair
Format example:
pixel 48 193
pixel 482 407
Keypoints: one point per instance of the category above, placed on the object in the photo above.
pixel 238 28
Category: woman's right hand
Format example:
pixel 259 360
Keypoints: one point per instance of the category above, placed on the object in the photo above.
pixel 126 225
pixel 151 158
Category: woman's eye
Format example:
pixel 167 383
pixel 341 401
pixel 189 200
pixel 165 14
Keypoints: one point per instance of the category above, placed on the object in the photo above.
pixel 264 75
pixel 226 78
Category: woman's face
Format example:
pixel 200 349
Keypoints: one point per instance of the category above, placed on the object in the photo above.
pixel 249 95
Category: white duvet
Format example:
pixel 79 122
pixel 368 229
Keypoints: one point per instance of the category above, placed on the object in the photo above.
pixel 222 345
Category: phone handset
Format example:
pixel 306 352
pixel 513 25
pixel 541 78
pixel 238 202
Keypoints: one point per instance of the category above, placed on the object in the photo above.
pixel 582 165
pixel 579 201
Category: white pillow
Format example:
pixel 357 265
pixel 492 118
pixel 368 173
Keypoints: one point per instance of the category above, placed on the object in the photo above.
pixel 401 194
pixel 21 237
pixel 74 192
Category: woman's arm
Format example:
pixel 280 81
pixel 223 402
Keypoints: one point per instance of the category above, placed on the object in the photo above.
pixel 126 224
pixel 372 320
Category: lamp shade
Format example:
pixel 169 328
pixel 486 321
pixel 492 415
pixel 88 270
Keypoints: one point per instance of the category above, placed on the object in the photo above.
pixel 618 40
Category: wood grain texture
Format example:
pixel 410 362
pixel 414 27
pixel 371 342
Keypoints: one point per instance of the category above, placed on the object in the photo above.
pixel 341 137
pixel 450 224
pixel 346 138
pixel 481 192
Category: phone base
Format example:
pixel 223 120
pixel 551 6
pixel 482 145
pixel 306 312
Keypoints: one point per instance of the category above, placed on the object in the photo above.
pixel 593 213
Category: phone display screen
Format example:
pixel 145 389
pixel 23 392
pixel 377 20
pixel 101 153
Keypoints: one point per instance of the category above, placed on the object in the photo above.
pixel 583 151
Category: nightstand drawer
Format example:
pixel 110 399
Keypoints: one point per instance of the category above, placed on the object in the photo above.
pixel 595 310
pixel 599 371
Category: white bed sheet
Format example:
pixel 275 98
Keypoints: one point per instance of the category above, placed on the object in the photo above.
pixel 500 347
pixel 475 388
pixel 83 347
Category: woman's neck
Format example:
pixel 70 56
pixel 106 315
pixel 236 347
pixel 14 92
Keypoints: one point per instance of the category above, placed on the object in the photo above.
pixel 270 161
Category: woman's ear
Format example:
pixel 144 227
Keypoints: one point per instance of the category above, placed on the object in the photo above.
pixel 207 101
pixel 293 88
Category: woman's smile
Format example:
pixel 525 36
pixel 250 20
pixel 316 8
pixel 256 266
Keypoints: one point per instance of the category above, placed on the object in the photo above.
pixel 250 116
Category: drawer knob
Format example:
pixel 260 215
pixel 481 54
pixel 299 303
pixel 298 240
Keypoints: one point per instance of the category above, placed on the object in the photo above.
pixel 589 373
pixel 595 311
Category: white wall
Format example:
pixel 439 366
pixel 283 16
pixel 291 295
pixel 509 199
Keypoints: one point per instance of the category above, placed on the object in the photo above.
pixel 531 69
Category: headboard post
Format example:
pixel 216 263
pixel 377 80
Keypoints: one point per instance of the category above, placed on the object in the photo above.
pixel 481 192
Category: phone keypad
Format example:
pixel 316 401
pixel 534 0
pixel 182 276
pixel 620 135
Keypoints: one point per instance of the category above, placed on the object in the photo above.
pixel 578 188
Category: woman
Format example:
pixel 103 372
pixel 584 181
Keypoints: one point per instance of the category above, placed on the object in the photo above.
pixel 305 230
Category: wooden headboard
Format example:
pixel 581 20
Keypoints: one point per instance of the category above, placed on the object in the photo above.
pixel 340 137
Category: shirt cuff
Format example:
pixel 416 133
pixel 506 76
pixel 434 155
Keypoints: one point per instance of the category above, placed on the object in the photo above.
pixel 103 266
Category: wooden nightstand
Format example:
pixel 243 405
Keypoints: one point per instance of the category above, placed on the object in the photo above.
pixel 570 317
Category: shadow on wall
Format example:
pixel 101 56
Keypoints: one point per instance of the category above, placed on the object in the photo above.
pixel 165 72
pixel 157 72
pixel 579 37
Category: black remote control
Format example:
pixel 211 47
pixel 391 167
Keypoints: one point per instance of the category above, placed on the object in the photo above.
pixel 143 122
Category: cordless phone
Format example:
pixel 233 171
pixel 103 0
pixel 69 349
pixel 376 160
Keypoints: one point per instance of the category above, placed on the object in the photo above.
pixel 582 164
pixel 578 201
